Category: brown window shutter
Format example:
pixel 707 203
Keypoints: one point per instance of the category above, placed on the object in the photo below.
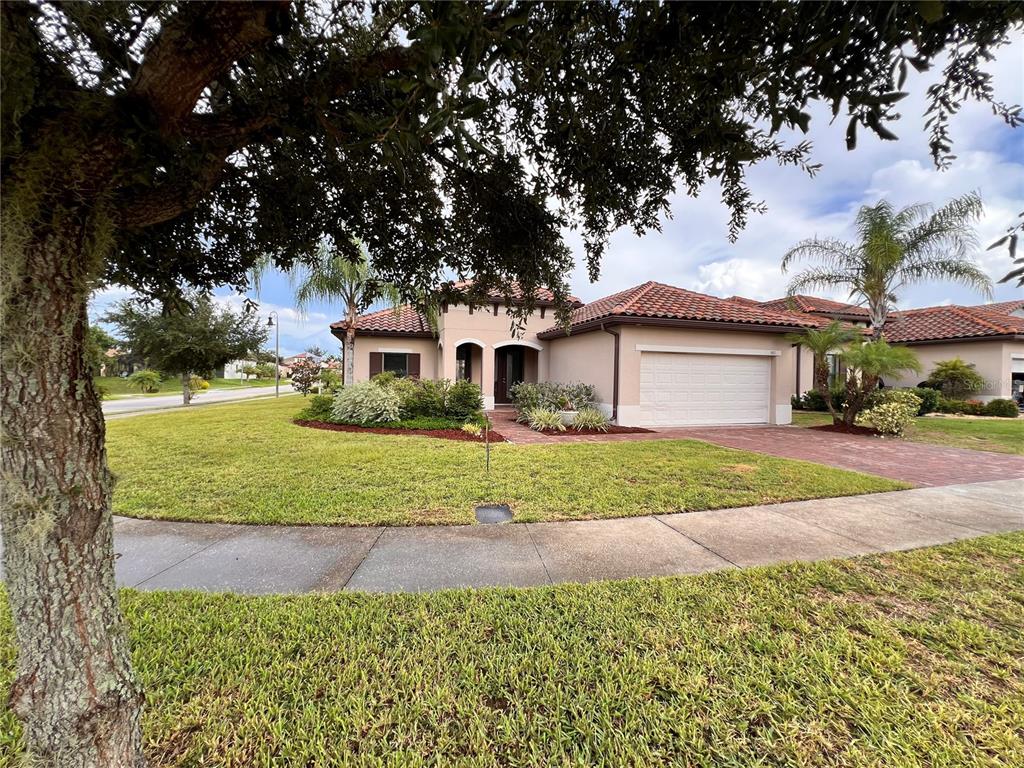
pixel 412 364
pixel 376 363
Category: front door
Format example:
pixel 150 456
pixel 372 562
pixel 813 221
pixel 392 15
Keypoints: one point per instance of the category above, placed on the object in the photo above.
pixel 508 371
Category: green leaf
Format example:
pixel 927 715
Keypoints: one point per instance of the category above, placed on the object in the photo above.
pixel 930 10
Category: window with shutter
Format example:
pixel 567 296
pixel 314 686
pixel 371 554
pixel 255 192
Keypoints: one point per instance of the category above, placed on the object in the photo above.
pixel 376 363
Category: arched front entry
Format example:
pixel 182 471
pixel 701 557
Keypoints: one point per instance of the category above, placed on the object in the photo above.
pixel 469 361
pixel 513 363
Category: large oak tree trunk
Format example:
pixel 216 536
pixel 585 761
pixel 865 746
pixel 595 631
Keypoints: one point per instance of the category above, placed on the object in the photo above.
pixel 75 693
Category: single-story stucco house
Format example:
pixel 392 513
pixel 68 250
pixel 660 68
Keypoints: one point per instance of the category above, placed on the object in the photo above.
pixel 656 354
pixel 659 355
pixel 989 336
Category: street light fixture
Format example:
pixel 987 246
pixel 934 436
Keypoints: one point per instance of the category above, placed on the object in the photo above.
pixel 277 352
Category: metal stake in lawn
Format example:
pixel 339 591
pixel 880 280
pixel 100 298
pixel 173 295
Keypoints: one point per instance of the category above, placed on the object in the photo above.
pixel 487 449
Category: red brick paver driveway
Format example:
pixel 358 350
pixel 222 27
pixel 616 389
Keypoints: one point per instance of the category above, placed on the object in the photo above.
pixel 917 463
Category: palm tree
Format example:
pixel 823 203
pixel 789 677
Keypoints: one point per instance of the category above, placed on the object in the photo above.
pixel 333 277
pixel 822 342
pixel 870 363
pixel 896 249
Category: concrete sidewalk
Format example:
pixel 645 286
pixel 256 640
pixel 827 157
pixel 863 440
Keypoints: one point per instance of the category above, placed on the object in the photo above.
pixel 287 559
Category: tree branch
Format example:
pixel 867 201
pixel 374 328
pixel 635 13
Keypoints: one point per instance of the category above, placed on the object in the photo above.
pixel 200 42
pixel 173 198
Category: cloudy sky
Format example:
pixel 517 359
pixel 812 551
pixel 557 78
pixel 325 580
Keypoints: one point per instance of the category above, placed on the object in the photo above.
pixel 693 250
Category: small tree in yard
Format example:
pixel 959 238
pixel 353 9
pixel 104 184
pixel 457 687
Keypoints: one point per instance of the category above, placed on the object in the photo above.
pixel 146 381
pixel 335 276
pixel 869 363
pixel 305 375
pixel 955 378
pixel 823 342
pixel 156 145
pixel 186 340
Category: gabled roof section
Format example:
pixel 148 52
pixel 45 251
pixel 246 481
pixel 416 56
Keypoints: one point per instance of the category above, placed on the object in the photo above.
pixel 950 322
pixel 1001 307
pixel 403 321
pixel 659 302
pixel 818 306
pixel 541 296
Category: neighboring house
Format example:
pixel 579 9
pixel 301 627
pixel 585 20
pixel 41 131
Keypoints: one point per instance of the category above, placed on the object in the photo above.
pixel 656 354
pixel 987 335
pixel 290 361
pixel 233 369
pixel 990 336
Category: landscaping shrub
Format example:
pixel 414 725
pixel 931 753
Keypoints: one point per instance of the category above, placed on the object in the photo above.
pixel 422 422
pixel 197 384
pixel 544 418
pixel 317 409
pixel 366 403
pixel 552 396
pixel 590 418
pixel 929 399
pixel 470 428
pixel 965 407
pixel 146 381
pixel 427 398
pixel 330 381
pixel 813 400
pixel 902 396
pixel 1002 407
pixel 955 378
pixel 892 412
pixel 384 379
pixel 464 400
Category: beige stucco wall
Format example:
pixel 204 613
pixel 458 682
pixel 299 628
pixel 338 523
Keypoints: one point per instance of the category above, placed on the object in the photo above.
pixel 482 329
pixel 426 348
pixel 586 357
pixel 992 359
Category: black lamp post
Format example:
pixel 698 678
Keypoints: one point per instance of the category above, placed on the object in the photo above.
pixel 277 352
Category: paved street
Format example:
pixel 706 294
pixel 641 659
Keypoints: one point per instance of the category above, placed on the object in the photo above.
pixel 267 559
pixel 126 405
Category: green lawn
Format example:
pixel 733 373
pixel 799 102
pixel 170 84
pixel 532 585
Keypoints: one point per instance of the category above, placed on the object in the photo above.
pixel 999 435
pixel 247 462
pixel 910 659
pixel 116 387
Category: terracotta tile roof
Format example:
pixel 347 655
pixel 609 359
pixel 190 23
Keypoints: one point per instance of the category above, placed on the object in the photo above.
pixel 1001 307
pixel 660 301
pixel 541 295
pixel 802 303
pixel 406 320
pixel 745 300
pixel 951 322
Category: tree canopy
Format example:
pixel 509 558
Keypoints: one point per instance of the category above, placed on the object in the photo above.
pixel 195 339
pixel 456 136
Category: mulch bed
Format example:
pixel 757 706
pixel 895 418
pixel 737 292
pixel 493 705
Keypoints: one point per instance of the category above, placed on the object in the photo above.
pixel 444 434
pixel 854 430
pixel 612 430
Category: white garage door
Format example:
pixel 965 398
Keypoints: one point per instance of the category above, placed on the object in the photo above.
pixel 686 389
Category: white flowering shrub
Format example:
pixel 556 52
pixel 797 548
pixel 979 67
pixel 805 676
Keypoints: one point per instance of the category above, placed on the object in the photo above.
pixel 366 403
pixel 890 418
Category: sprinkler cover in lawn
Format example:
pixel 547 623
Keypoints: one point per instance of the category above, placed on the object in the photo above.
pixel 493 513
